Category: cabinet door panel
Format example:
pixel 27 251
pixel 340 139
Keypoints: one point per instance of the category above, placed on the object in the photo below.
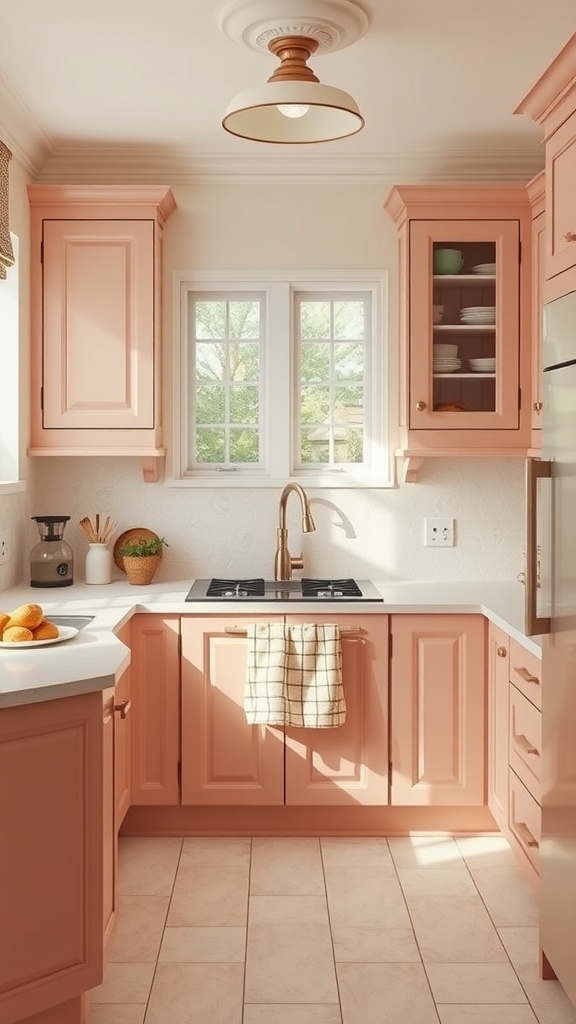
pixel 348 764
pixel 438 709
pixel 224 759
pixel 98 356
pixel 155 675
pixel 498 686
pixel 561 200
pixel 109 845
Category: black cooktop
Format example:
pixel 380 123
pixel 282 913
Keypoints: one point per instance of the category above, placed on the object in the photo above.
pixel 283 590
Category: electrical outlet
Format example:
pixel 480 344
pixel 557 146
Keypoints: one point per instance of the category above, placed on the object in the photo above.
pixel 4 547
pixel 439 533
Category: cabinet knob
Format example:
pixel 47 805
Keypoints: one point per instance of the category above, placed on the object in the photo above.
pixel 501 652
pixel 123 707
pixel 570 236
pixel 420 406
pixel 537 406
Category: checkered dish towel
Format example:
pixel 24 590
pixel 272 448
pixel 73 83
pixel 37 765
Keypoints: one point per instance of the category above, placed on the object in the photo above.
pixel 294 675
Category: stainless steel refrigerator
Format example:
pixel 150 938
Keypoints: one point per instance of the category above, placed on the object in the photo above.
pixel 551 542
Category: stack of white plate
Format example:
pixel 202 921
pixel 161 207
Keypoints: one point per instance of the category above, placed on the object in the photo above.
pixel 478 315
pixel 485 269
pixel 446 364
pixel 484 365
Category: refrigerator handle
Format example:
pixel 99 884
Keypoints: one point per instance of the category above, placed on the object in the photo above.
pixel 535 470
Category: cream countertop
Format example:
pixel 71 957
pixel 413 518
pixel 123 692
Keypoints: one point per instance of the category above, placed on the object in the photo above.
pixel 95 658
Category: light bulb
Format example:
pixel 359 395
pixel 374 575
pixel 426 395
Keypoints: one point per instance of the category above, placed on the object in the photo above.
pixel 293 109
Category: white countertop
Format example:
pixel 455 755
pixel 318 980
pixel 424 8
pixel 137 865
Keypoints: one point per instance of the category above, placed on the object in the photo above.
pixel 95 658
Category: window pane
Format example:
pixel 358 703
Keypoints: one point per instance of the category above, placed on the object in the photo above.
pixel 349 320
pixel 316 445
pixel 244 446
pixel 244 319
pixel 349 397
pixel 210 320
pixel 315 320
pixel 315 404
pixel 315 361
pixel 244 361
pixel 210 445
pixel 244 405
pixel 348 361
pixel 349 448
pixel 210 361
pixel 210 404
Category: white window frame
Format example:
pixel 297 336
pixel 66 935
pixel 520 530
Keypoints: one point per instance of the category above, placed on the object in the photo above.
pixel 10 477
pixel 278 367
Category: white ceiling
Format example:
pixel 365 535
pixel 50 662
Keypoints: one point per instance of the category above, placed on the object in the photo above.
pixel 117 88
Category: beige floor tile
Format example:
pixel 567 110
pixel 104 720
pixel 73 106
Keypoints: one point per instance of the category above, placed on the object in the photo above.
pixel 147 866
pixel 385 994
pixel 375 945
pixel 521 944
pixel 548 999
pixel 286 866
pixel 216 851
pixel 423 851
pixel 357 896
pixel 211 896
pixel 300 1013
pixel 474 983
pixel 139 926
pixel 509 897
pixel 455 929
pixel 368 851
pixel 203 945
pixel 486 851
pixel 124 983
pixel 196 994
pixel 454 880
pixel 289 963
pixel 503 1013
pixel 302 910
pixel 117 1013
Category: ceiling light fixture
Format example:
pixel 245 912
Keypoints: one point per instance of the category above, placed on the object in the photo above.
pixel 293 107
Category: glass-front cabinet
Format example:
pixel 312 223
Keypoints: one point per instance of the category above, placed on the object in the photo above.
pixel 464 335
pixel 464 320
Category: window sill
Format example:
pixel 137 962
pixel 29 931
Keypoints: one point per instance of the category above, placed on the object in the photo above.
pixel 12 486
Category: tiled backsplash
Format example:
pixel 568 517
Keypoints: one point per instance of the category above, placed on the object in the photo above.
pixel 363 533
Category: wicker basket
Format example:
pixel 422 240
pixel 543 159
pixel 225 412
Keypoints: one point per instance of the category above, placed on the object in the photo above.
pixel 141 569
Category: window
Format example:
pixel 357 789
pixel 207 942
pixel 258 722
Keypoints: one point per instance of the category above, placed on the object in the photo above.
pixel 280 377
pixel 9 379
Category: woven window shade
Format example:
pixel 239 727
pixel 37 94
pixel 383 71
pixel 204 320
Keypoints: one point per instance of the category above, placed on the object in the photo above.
pixel 6 251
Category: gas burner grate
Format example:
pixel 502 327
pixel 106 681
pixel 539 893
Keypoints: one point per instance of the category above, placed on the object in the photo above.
pixel 235 588
pixel 330 588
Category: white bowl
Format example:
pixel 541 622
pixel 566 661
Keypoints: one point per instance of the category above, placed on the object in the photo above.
pixel 440 349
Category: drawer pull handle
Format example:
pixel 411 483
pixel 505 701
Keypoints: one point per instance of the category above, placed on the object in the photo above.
pixel 527 676
pixel 570 236
pixel 420 406
pixel 501 652
pixel 524 743
pixel 123 707
pixel 526 835
pixel 242 631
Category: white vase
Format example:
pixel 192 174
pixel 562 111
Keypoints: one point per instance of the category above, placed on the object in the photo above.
pixel 99 564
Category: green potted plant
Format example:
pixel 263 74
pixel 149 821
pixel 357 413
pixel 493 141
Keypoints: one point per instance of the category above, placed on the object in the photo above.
pixel 141 557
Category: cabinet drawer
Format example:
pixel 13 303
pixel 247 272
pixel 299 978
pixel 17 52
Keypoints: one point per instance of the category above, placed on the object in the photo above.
pixel 524 819
pixel 525 737
pixel 526 672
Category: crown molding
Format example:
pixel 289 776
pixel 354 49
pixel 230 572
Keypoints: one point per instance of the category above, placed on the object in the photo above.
pixel 116 165
pixel 25 137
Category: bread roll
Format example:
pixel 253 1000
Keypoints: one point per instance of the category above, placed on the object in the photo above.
pixel 28 615
pixel 17 635
pixel 46 631
pixel 4 620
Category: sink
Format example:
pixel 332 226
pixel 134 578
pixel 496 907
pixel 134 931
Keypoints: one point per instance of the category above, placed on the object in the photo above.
pixel 75 621
pixel 246 590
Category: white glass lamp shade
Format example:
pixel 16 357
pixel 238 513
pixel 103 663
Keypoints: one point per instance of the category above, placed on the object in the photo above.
pixel 254 114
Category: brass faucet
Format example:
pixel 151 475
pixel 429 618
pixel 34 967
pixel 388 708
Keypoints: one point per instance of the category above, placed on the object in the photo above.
pixel 284 562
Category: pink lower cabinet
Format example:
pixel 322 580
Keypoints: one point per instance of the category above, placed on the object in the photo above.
pixel 438 710
pixel 51 867
pixel 347 765
pixel 224 760
pixel 498 701
pixel 155 709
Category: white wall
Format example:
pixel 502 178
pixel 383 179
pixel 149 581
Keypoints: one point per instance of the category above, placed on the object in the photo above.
pixel 233 532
